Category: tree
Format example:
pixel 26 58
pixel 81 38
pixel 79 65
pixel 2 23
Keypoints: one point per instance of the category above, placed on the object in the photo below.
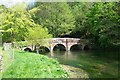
pixel 79 10
pixel 103 21
pixel 37 35
pixel 56 17
pixel 15 24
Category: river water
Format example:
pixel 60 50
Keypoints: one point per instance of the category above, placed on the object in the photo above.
pixel 96 63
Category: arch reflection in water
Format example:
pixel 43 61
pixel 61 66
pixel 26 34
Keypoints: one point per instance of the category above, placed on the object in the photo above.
pixel 86 47
pixel 63 55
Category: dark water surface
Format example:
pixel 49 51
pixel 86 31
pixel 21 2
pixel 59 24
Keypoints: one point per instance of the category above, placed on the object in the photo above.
pixel 97 63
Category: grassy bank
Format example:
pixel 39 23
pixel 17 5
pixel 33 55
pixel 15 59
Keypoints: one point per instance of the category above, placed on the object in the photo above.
pixel 31 65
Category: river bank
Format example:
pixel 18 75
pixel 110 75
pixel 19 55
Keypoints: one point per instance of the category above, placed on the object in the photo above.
pixel 74 72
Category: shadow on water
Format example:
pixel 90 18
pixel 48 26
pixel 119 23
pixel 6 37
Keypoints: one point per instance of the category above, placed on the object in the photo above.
pixel 98 64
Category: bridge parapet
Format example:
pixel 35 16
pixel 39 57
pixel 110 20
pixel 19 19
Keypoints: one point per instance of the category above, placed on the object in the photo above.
pixel 58 40
pixel 64 40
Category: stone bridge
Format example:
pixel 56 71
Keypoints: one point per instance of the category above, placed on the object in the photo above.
pixel 68 43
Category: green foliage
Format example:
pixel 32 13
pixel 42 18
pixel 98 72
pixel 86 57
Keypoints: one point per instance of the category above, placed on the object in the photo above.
pixel 59 20
pixel 2 7
pixel 103 21
pixel 36 34
pixel 31 65
pixel 18 25
pixel 79 10
pixel 15 25
pixel 98 22
pixel 42 32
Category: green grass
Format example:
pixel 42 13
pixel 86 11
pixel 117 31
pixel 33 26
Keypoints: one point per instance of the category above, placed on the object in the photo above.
pixel 31 65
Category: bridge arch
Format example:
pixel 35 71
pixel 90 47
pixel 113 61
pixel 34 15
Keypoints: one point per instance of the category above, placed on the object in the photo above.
pixel 66 43
pixel 27 49
pixel 75 47
pixel 86 47
pixel 61 47
pixel 44 49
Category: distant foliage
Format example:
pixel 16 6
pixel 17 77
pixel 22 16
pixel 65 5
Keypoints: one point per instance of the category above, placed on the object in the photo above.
pixel 36 34
pixel 57 17
pixel 17 24
pixel 104 24
pixel 97 22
